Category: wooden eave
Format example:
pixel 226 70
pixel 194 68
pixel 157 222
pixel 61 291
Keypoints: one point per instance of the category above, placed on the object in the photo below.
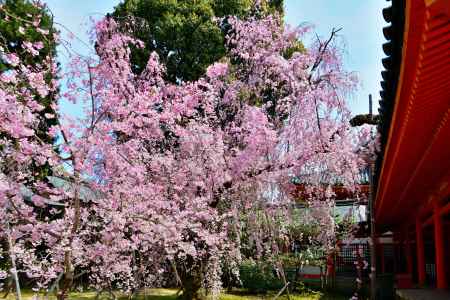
pixel 414 166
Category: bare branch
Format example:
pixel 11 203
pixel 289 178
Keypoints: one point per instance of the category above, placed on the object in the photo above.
pixel 322 49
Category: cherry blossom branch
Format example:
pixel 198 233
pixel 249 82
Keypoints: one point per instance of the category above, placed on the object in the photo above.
pixel 91 93
pixel 322 49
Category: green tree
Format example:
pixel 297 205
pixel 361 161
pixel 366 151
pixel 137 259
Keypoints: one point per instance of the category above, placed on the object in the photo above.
pixel 184 32
pixel 16 27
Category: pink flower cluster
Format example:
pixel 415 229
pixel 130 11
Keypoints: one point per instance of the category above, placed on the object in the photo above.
pixel 158 172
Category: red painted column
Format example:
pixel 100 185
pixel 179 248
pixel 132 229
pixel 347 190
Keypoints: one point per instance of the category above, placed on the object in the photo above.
pixel 440 249
pixel 420 253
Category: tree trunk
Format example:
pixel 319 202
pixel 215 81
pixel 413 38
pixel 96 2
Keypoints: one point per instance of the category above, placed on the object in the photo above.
pixel 67 282
pixel 191 279
pixel 68 277
pixel 191 287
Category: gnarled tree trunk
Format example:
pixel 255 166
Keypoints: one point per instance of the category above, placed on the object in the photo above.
pixel 191 276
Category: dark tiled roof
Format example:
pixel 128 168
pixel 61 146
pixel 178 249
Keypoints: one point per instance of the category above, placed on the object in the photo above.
pixel 395 15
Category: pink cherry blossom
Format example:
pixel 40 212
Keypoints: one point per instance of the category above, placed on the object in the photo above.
pixel 217 70
pixel 43 31
pixel 12 59
pixel 29 47
pixel 159 173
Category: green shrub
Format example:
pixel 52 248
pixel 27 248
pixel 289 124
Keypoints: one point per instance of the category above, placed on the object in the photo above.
pixel 259 278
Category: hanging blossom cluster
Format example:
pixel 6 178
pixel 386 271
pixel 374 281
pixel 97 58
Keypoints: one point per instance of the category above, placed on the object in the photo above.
pixel 168 178
pixel 303 96
pixel 29 205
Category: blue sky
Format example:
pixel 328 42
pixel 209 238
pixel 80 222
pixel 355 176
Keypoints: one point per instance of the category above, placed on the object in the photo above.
pixel 361 22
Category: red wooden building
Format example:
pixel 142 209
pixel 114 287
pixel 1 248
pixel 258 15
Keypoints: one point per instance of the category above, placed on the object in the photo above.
pixel 412 176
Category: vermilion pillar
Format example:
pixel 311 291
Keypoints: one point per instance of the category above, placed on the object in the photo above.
pixel 420 253
pixel 440 249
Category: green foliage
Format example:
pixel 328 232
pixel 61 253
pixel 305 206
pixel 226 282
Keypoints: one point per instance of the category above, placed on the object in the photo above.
pixel 298 47
pixel 15 14
pixel 259 277
pixel 184 32
pixel 313 256
pixel 362 119
pixel 345 226
pixel 303 229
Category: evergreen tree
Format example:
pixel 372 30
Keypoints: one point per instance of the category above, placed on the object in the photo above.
pixel 185 33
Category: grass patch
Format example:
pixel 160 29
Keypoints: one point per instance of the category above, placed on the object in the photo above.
pixel 170 294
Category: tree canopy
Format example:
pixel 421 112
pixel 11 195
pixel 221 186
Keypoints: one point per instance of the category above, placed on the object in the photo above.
pixel 180 175
pixel 185 34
